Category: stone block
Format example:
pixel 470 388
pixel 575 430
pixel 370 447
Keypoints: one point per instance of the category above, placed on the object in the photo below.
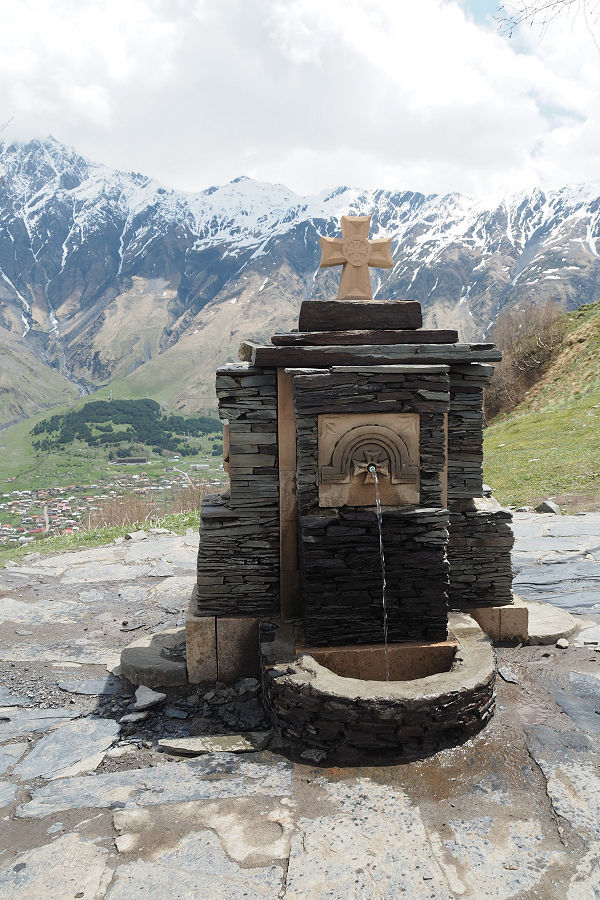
pixel 156 660
pixel 201 647
pixel 503 623
pixel 514 622
pixel 488 619
pixel 237 648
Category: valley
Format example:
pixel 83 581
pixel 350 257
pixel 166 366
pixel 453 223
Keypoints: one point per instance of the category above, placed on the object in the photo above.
pixel 108 278
pixel 113 287
pixel 103 462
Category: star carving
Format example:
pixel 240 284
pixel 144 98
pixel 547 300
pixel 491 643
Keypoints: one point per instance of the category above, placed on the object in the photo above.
pixel 371 456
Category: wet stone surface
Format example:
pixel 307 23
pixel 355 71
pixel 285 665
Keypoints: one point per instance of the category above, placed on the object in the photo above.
pixel 92 807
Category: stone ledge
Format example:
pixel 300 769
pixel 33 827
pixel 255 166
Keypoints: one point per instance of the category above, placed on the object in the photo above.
pixel 148 660
pixel 547 623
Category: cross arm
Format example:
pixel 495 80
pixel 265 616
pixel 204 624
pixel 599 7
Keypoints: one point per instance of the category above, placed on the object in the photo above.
pixel 331 252
pixel 380 253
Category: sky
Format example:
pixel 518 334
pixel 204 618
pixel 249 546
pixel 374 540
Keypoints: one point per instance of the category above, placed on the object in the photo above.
pixel 395 94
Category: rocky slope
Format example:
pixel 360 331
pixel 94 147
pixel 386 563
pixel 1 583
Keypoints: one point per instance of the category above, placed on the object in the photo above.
pixel 107 276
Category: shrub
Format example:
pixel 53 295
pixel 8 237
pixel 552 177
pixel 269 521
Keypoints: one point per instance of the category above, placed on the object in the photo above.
pixel 529 339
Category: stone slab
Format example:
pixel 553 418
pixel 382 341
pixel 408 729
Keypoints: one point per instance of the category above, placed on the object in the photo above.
pixel 7 794
pixel 92 687
pixel 43 611
pixel 571 601
pixel 570 767
pixel 339 338
pixel 218 743
pixel 63 747
pixel 7 698
pixel 146 698
pixel 581 702
pixel 357 355
pixel 331 855
pixel 565 526
pixel 24 721
pixel 547 623
pixel 106 572
pixel 196 866
pixel 67 867
pixel 328 315
pixel 11 754
pixel 177 782
pixel 588 635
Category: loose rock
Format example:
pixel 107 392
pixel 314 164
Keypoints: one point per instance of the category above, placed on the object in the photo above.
pixel 218 743
pixel 548 506
pixel 146 698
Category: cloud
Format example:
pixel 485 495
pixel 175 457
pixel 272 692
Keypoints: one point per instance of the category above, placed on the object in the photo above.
pixel 311 94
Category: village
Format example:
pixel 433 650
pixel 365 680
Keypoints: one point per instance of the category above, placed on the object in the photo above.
pixel 26 515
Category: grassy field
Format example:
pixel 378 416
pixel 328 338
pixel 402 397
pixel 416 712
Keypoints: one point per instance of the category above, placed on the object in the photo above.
pixel 77 463
pixel 550 444
pixel 97 537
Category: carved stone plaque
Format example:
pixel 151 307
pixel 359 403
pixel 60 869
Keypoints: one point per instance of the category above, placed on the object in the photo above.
pixel 351 444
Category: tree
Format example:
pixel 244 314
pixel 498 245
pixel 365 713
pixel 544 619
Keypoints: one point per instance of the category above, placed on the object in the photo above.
pixel 542 13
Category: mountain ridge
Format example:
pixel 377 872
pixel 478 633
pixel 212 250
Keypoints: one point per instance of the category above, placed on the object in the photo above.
pixel 109 275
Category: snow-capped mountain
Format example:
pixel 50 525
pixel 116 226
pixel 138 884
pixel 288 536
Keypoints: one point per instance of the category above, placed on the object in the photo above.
pixel 105 274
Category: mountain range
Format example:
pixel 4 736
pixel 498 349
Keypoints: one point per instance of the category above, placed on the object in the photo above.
pixel 109 277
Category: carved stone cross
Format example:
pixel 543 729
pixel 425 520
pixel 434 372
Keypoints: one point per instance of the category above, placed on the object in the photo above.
pixel 355 252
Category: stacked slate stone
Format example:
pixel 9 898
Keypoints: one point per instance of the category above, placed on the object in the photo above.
pixel 339 548
pixel 342 579
pixel 479 554
pixel 238 557
pixel 465 430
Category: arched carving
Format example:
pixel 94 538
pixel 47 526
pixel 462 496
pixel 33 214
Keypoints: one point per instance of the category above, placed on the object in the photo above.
pixel 350 444
pixel 366 445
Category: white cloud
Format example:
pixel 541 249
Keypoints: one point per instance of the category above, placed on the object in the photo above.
pixel 307 93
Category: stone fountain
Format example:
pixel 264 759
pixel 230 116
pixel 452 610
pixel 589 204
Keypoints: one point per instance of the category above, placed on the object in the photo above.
pixel 289 579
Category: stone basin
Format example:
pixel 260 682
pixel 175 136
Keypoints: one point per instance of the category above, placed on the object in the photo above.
pixel 314 707
pixel 407 661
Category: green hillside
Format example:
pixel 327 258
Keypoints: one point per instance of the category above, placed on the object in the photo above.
pixel 550 444
pixel 26 383
pixel 127 427
pixel 78 443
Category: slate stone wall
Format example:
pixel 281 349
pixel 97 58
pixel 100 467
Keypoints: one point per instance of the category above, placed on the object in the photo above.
pixel 339 547
pixel 465 430
pixel 238 557
pixel 481 541
pixel 371 392
pixel 342 581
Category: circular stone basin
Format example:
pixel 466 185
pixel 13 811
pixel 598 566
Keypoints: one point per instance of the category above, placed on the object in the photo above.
pixel 403 662
pixel 345 718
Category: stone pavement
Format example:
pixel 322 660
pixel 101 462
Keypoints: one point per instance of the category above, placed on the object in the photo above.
pixel 91 807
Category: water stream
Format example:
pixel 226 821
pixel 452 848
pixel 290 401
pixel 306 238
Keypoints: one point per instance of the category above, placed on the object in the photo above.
pixel 373 472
